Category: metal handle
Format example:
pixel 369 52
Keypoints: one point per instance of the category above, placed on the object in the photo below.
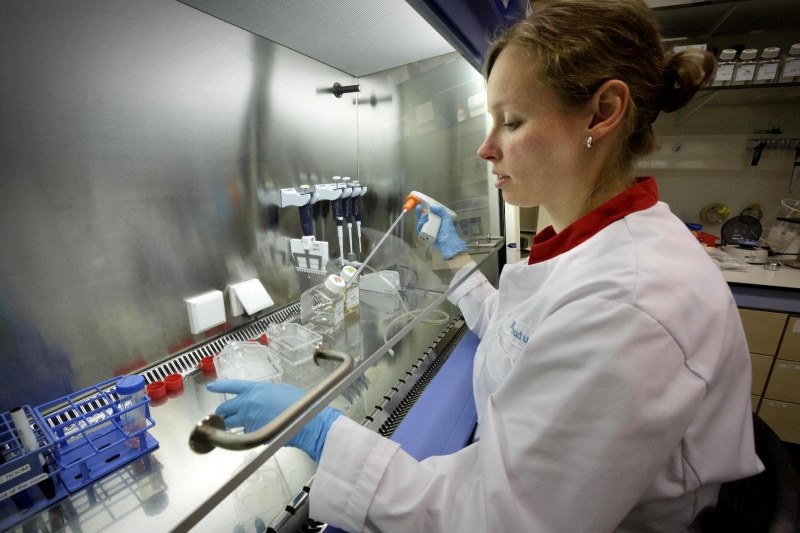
pixel 210 432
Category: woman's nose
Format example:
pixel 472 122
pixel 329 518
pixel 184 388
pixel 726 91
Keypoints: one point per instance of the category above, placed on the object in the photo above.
pixel 488 150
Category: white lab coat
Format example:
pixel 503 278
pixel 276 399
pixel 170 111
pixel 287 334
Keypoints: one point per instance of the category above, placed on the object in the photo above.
pixel 612 386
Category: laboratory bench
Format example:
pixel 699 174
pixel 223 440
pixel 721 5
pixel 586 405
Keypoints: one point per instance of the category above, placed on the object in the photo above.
pixel 397 343
pixel 769 304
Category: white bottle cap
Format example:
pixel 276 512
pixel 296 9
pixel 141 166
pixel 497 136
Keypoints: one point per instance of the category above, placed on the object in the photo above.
pixel 748 54
pixel 335 284
pixel 348 272
pixel 795 50
pixel 727 54
pixel 770 53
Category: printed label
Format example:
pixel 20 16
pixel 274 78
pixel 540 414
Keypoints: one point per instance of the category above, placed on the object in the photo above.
pixel 306 307
pixel 745 72
pixel 792 68
pixel 22 486
pixel 792 367
pixel 724 73
pixel 352 298
pixel 338 312
pixel 767 72
pixel 14 473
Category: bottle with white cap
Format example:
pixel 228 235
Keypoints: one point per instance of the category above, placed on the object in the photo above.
pixel 322 306
pixel 725 66
pixel 745 71
pixel 767 68
pixel 790 67
pixel 352 298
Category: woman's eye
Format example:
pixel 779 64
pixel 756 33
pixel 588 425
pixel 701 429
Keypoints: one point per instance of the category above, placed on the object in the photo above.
pixel 511 125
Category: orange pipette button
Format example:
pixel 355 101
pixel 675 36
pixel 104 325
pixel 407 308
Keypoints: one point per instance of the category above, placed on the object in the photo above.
pixel 411 202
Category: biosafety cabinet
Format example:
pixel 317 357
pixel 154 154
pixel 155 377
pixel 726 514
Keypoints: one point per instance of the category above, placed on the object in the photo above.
pixel 171 178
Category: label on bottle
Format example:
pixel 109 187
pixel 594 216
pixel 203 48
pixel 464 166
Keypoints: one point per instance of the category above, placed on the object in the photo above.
pixel 745 72
pixel 338 312
pixel 767 72
pixel 792 68
pixel 351 298
pixel 724 73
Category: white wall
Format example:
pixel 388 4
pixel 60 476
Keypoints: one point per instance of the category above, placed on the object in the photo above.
pixel 705 159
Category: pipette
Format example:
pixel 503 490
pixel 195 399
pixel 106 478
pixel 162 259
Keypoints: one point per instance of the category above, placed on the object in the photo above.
pixel 412 202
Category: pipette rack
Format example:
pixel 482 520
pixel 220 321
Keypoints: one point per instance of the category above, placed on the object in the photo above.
pixel 21 471
pixel 88 435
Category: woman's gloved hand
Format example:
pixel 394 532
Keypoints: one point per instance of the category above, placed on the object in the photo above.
pixel 257 403
pixel 447 241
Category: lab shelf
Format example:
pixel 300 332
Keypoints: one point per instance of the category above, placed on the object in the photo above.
pixel 390 334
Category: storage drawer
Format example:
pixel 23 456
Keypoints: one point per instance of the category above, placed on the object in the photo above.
pixel 784 382
pixel 763 330
pixel 761 365
pixel 790 345
pixel 783 418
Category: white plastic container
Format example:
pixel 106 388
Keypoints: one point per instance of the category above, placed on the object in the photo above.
pixel 130 390
pixel 745 71
pixel 248 361
pixel 767 69
pixel 790 67
pixel 727 64
pixel 322 307
pixel 352 300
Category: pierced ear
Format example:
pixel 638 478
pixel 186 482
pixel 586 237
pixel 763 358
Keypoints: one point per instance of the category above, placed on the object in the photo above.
pixel 608 105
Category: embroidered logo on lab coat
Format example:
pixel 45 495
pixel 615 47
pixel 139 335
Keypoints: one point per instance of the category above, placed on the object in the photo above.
pixel 514 335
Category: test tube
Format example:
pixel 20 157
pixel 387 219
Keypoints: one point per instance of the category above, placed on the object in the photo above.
pixel 130 390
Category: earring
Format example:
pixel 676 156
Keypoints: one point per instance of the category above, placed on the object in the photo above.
pixel 589 142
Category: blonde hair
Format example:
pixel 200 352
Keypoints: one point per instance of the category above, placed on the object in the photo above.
pixel 577 45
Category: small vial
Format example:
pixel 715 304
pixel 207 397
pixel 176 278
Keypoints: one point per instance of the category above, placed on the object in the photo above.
pixel 767 69
pixel 745 71
pixel 351 293
pixel 322 306
pixel 727 64
pixel 790 69
pixel 130 390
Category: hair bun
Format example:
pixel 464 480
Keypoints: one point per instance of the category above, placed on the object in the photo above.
pixel 684 74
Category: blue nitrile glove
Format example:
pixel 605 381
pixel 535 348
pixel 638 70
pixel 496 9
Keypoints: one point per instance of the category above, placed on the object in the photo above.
pixel 257 403
pixel 447 241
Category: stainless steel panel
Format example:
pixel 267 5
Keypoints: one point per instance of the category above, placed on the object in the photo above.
pixel 137 140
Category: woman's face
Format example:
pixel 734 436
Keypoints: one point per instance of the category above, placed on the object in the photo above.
pixel 535 147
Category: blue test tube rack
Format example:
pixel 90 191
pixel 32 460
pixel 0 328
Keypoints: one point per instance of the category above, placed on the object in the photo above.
pixel 89 441
pixel 21 472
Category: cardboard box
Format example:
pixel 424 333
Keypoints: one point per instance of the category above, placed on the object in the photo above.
pixel 784 382
pixel 790 345
pixel 763 330
pixel 761 365
pixel 783 418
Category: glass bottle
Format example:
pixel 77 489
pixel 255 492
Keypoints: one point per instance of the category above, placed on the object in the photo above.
pixel 790 69
pixel 351 292
pixel 724 74
pixel 745 68
pixel 767 69
pixel 130 390
pixel 322 306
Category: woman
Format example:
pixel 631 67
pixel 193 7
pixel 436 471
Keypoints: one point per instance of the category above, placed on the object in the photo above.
pixel 612 380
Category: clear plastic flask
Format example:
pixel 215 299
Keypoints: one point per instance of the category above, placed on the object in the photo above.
pixel 725 66
pixel 322 306
pixel 767 69
pixel 745 71
pixel 352 299
pixel 790 65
